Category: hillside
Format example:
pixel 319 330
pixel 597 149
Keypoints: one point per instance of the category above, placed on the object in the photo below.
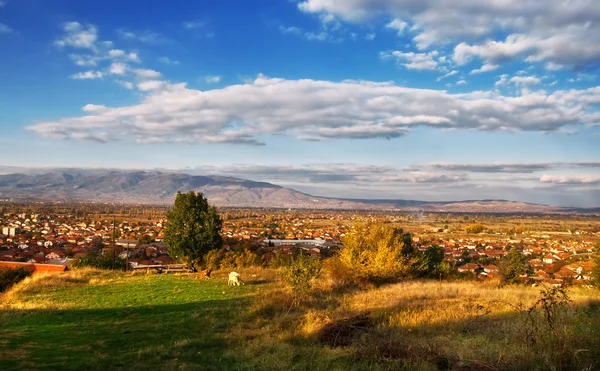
pixel 156 187
pixel 98 320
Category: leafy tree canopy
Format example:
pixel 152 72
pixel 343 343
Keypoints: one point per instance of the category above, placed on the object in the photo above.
pixel 513 265
pixel 374 252
pixel 434 256
pixel 193 227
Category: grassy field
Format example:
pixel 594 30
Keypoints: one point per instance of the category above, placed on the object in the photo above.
pixel 100 320
pixel 96 320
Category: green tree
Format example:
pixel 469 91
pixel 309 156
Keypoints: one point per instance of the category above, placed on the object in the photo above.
pixel 513 265
pixel 193 227
pixel 434 256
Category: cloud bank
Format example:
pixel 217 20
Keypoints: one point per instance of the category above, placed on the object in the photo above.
pixel 554 31
pixel 318 110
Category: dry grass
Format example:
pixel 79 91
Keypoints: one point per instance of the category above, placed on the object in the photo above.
pixel 415 325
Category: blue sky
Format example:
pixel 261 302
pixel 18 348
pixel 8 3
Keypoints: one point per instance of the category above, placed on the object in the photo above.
pixel 357 98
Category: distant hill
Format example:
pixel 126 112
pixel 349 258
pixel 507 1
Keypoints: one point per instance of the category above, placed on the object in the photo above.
pixel 157 187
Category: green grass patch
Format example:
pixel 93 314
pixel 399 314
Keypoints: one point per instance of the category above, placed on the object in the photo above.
pixel 129 322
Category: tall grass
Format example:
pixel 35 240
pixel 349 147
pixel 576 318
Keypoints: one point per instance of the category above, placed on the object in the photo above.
pixel 427 324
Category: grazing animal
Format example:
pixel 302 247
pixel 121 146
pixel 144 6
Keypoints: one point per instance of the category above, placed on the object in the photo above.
pixel 234 279
pixel 205 273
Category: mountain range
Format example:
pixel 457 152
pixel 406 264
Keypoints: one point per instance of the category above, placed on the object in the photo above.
pixel 158 187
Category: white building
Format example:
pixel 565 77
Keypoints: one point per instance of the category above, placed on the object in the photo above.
pixel 10 231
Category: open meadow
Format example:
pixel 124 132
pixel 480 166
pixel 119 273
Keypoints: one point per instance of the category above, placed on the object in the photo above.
pixel 90 319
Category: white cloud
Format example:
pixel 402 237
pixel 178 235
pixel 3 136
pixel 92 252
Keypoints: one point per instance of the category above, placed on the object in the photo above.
pixel 415 61
pixel 461 82
pixel 133 57
pixel 4 28
pixel 145 36
pixel 370 36
pixel 190 25
pixel 168 61
pixel 121 54
pixel 571 179
pixel 88 75
pixel 519 80
pixel 94 108
pixel 525 80
pixel 558 31
pixel 550 66
pixel 508 167
pixel 290 30
pixel 146 73
pixel 321 35
pixel 150 85
pixel 451 73
pixel 118 69
pixel 213 79
pixel 115 53
pixel 502 81
pixel 320 110
pixel 317 36
pixel 78 36
pixel 485 68
pixel 398 25
pixel 583 77
pixel 126 84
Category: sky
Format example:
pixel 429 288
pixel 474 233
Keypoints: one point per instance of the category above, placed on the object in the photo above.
pixel 380 99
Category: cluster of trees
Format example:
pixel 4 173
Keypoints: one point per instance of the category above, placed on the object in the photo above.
pixel 475 228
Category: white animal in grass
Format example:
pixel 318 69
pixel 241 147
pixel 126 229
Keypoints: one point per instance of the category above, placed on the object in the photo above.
pixel 235 279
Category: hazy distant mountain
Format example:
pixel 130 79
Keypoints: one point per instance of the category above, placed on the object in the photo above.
pixel 156 187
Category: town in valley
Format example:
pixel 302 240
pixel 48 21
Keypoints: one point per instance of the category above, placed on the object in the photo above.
pixel 559 248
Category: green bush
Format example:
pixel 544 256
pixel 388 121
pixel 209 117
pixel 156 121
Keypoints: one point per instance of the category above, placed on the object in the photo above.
pixel 376 253
pixel 281 259
pixel 11 276
pixel 104 261
pixel 300 272
pixel 217 259
pixel 560 334
pixel 213 259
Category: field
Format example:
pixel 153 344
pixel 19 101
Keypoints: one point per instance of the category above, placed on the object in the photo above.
pixel 102 320
pixel 96 320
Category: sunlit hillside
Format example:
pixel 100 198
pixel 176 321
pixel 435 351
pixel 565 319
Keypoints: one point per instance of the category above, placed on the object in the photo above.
pixel 91 319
